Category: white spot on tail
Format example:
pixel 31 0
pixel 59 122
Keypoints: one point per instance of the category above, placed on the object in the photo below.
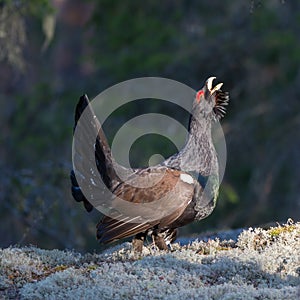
pixel 187 178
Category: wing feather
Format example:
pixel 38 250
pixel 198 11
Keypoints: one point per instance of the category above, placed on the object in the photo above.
pixel 179 195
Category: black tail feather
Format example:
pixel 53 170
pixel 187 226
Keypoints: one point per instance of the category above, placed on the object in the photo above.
pixel 77 193
pixel 103 158
pixel 81 106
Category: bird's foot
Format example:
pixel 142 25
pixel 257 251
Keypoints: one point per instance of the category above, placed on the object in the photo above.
pixel 159 242
pixel 138 243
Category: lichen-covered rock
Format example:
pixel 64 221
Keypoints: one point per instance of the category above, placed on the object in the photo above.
pixel 262 264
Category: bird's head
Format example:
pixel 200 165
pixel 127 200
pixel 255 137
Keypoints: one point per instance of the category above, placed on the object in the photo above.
pixel 211 101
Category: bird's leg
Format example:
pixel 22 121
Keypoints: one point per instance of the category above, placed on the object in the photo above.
pixel 171 237
pixel 159 241
pixel 138 242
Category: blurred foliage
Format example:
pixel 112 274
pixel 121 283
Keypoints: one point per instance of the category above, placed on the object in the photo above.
pixel 253 47
pixel 142 35
pixel 13 35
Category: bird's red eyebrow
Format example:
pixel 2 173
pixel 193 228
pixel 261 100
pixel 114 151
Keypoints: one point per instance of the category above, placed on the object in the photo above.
pixel 199 94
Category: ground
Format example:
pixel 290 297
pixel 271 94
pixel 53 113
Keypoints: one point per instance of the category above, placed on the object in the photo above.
pixel 259 264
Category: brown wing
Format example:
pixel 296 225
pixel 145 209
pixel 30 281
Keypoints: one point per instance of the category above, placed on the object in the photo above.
pixel 175 194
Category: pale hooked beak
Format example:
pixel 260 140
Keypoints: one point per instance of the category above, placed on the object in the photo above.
pixel 209 82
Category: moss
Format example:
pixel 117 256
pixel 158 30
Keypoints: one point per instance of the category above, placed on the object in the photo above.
pixel 276 231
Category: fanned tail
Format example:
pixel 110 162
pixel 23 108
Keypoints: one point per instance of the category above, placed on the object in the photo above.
pixel 103 157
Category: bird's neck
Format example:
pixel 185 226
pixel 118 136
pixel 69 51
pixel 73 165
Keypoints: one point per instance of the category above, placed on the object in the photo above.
pixel 198 154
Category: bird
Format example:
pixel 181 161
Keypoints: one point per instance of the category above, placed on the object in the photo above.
pixel 188 181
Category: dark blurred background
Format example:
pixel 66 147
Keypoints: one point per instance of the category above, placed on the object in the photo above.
pixel 51 52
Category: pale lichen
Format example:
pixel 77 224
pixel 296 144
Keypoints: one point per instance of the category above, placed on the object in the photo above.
pixel 263 264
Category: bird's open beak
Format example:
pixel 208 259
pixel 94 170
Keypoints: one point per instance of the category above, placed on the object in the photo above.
pixel 209 83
